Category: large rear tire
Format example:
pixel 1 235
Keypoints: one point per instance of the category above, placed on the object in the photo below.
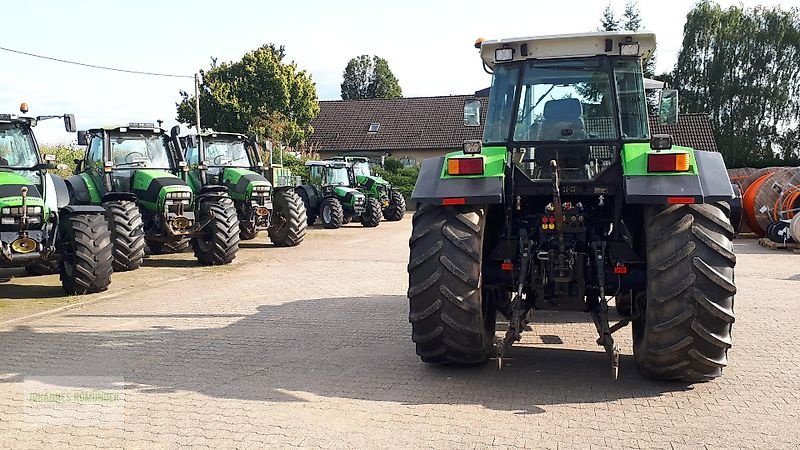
pixel 127 234
pixel 332 213
pixel 290 212
pixel 221 240
pixel 86 260
pixel 396 208
pixel 684 332
pixel 372 213
pixel 450 321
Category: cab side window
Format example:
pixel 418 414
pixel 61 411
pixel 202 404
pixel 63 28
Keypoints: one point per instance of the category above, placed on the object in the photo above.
pixel 94 156
pixel 315 174
pixel 192 156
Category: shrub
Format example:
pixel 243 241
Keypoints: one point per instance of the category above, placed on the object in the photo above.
pixel 65 154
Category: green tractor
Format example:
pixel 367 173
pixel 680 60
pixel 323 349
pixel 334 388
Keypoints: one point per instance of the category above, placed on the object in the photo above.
pixel 263 194
pixel 373 186
pixel 329 195
pixel 568 202
pixel 38 225
pixel 137 173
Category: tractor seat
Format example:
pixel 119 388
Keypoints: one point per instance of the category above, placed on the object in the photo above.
pixel 563 120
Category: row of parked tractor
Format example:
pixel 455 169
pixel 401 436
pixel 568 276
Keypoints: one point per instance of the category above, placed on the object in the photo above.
pixel 140 189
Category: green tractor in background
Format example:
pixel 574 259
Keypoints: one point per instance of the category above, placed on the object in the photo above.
pixel 329 195
pixel 373 186
pixel 567 202
pixel 264 197
pixel 131 172
pixel 38 225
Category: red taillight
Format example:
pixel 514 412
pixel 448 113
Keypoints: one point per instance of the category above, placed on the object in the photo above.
pixel 507 265
pixel 620 269
pixel 465 166
pixel 667 162
pixel 454 201
pixel 680 200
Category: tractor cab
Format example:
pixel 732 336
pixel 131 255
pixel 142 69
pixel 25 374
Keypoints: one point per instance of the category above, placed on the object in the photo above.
pixel 126 158
pixel 573 99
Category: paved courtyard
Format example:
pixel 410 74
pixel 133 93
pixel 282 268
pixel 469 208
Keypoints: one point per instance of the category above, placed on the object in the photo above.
pixel 310 347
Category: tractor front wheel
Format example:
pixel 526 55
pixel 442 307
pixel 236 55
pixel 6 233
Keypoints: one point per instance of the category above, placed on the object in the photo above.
pixel 159 247
pixel 332 213
pixel 372 213
pixel 291 213
pixel 86 258
pixel 683 327
pixel 247 231
pixel 127 234
pixel 221 240
pixel 450 321
pixel 396 208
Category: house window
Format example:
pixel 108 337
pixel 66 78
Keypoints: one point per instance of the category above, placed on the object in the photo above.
pixel 374 127
pixel 408 162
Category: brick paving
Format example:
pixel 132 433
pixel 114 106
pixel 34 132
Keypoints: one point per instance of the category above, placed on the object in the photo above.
pixel 310 347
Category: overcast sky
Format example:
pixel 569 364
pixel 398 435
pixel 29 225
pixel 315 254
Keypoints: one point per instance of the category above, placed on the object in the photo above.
pixel 428 45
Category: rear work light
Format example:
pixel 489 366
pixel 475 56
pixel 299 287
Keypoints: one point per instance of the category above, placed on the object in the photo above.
pixel 667 162
pixel 465 166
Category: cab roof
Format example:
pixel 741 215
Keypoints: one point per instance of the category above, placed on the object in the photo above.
pixel 569 46
pixel 327 163
pixel 222 134
pixel 139 126
pixel 13 118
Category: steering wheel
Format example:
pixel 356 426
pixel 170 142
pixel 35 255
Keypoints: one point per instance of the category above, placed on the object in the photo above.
pixel 219 158
pixel 129 156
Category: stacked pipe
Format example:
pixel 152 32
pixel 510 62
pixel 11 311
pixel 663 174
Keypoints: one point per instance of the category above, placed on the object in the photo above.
pixel 770 200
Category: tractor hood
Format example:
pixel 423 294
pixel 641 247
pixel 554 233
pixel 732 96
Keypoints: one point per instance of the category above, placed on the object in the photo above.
pixel 151 186
pixel 349 196
pixel 369 181
pixel 240 182
pixel 10 186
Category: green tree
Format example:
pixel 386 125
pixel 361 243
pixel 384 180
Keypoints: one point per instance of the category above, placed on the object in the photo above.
pixel 609 21
pixel 369 77
pixel 740 66
pixel 261 95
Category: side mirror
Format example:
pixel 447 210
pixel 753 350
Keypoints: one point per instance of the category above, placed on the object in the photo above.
pixel 668 107
pixel 472 113
pixel 78 165
pixel 69 123
pixel 82 141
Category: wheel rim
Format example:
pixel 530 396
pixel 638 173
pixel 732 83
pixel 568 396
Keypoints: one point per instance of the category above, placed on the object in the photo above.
pixel 326 214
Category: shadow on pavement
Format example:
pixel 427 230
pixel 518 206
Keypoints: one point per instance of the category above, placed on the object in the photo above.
pixel 11 290
pixel 356 348
pixel 156 261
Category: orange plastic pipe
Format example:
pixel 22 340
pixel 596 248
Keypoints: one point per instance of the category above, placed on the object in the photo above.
pixel 748 203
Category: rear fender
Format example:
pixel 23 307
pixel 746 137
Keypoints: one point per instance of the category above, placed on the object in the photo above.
pixel 710 185
pixel 310 193
pixel 82 190
pixel 433 187
pixel 212 192
pixel 119 196
pixel 81 209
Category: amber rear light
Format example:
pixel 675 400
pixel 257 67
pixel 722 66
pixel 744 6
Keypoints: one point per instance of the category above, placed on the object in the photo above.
pixel 668 162
pixel 465 166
